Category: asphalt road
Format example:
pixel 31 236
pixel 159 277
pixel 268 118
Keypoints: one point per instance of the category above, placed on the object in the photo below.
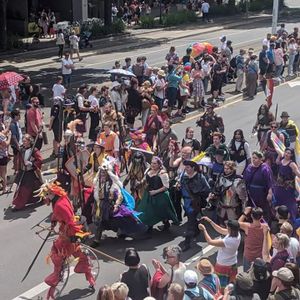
pixel 19 244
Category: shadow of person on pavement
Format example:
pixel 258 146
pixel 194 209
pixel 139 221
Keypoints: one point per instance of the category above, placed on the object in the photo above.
pixel 77 294
pixel 21 214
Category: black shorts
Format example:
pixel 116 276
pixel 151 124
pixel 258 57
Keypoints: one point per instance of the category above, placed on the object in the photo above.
pixel 4 161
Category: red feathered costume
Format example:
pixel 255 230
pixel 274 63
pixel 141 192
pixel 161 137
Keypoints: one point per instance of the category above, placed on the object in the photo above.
pixel 63 247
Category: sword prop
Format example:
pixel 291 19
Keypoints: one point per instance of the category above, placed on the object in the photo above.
pixel 36 256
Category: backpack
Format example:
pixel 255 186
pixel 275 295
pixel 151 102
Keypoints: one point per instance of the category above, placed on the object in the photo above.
pixel 195 296
pixel 287 141
pixel 232 62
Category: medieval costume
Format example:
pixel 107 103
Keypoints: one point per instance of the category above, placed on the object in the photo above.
pixel 152 126
pixel 285 188
pixel 239 151
pixel 113 205
pixel 67 243
pixel 136 175
pixel 28 177
pixel 111 116
pixel 156 205
pixel 210 122
pixel 231 195
pixel 195 190
pixel 259 181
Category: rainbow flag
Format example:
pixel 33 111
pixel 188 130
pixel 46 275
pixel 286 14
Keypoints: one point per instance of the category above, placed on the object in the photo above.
pixel 277 143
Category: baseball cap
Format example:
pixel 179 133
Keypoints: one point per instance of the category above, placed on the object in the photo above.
pixel 284 274
pixel 190 277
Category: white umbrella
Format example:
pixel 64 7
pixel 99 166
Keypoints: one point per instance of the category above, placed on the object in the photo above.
pixel 121 72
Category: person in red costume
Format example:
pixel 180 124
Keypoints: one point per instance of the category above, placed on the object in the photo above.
pixel 69 233
pixel 28 177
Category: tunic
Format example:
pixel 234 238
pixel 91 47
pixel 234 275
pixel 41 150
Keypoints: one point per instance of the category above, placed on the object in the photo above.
pixel 259 181
pixel 284 190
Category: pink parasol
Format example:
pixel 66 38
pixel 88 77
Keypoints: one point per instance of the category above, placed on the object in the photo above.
pixel 197 49
pixel 8 79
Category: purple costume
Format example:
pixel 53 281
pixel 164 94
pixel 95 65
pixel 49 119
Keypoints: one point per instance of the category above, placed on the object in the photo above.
pixel 284 190
pixel 259 181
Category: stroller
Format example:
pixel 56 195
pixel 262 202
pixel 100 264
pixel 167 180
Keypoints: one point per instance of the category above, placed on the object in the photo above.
pixel 85 40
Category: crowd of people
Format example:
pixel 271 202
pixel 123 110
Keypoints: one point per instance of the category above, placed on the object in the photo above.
pixel 170 180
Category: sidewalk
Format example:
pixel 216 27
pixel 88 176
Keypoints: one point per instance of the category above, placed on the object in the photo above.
pixel 132 37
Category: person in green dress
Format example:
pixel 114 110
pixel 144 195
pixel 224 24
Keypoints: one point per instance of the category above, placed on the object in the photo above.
pixel 156 205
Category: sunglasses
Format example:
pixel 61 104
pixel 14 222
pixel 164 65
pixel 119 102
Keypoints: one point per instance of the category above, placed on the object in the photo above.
pixel 273 126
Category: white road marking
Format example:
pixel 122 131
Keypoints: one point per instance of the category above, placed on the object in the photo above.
pixel 42 287
pixel 203 253
pixel 38 289
pixel 294 83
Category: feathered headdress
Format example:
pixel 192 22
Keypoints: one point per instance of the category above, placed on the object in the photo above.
pixel 50 186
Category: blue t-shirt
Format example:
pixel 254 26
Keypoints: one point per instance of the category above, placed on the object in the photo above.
pixel 173 80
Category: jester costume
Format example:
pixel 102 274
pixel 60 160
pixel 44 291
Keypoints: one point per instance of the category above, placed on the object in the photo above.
pixel 70 231
pixel 113 205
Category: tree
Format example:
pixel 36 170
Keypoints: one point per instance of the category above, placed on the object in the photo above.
pixel 107 12
pixel 3 25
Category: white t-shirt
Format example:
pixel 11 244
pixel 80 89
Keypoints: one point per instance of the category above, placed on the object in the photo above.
pixel 64 63
pixel 58 90
pixel 227 256
pixel 93 101
pixel 161 93
pixel 74 40
pixel 205 7
pixel 178 274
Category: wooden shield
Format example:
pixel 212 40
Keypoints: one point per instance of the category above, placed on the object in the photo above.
pixel 82 159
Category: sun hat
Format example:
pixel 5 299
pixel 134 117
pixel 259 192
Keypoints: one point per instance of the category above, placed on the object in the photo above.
pixel 205 267
pixel 284 274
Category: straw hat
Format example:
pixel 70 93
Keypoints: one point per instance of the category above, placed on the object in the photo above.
pixel 205 267
pixel 161 73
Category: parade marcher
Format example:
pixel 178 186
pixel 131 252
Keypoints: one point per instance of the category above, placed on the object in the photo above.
pixel 172 57
pixel 111 116
pixel 83 107
pixel 5 140
pixel 262 125
pixel 197 76
pixel 226 265
pixel 28 176
pixel 252 76
pixel 152 126
pixel 195 190
pixel 94 113
pixel 268 147
pixel 290 127
pixel 34 122
pixel 209 122
pixel 138 140
pixel 164 136
pixel 230 193
pixel 239 151
pixel 284 189
pixel 113 206
pixel 134 103
pixel 95 161
pixel 56 124
pixel 110 140
pixel 69 113
pixel 70 231
pixel 217 145
pixel 189 140
pixel 156 205
pixel 259 181
pixel 146 91
pixel 159 88
pixel 135 175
